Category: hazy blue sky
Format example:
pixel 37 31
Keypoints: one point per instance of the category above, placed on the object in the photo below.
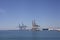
pixel 45 12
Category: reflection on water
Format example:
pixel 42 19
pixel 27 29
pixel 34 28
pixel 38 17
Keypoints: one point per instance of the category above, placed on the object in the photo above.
pixel 29 35
pixel 34 37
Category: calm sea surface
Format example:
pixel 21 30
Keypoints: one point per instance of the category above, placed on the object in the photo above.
pixel 29 35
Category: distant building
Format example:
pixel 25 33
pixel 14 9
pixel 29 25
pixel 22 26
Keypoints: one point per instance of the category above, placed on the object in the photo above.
pixel 51 28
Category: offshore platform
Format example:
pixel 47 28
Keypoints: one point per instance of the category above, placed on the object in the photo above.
pixel 35 27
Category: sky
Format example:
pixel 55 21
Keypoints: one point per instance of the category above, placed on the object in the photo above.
pixel 13 12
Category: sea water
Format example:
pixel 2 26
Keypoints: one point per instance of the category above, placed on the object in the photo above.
pixel 29 35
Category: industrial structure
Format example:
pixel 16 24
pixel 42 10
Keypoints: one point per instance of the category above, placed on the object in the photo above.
pixel 22 27
pixel 35 27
